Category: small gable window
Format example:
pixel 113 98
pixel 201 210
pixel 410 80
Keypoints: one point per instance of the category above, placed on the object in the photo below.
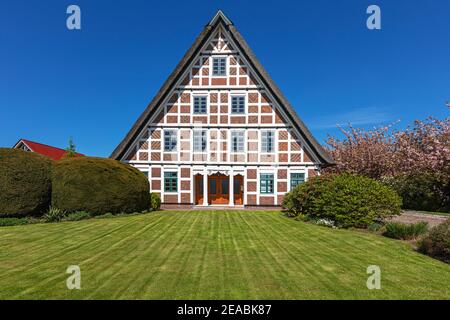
pixel 170 182
pixel 170 140
pixel 238 104
pixel 200 105
pixel 219 66
pixel 267 141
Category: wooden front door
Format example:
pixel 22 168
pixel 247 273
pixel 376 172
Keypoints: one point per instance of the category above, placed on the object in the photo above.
pixel 219 189
pixel 238 190
pixel 199 189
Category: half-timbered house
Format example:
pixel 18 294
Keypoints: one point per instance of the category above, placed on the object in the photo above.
pixel 219 131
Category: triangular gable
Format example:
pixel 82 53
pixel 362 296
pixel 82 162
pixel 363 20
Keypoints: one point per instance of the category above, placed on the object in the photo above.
pixel 213 39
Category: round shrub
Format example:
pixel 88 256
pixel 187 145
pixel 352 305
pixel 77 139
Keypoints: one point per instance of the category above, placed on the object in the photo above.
pixel 426 191
pixel 155 201
pixel 25 183
pixel 348 200
pixel 98 185
pixel 437 243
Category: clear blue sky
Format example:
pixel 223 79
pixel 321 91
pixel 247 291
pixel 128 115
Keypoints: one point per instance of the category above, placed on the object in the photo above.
pixel 92 84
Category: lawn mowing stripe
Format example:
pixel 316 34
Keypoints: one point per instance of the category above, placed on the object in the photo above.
pixel 207 283
pixel 324 246
pixel 260 254
pixel 211 255
pixel 180 262
pixel 277 269
pixel 167 243
pixel 69 249
pixel 84 262
pixel 140 263
pixel 204 262
pixel 286 248
pixel 182 277
pixel 58 273
pixel 41 240
pixel 134 261
pixel 368 253
pixel 239 250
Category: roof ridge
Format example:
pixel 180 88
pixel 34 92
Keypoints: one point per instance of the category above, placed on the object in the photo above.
pixel 45 145
pixel 220 15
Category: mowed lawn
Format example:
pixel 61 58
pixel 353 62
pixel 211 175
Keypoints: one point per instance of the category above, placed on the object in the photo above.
pixel 210 255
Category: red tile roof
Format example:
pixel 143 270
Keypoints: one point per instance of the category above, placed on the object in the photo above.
pixel 46 150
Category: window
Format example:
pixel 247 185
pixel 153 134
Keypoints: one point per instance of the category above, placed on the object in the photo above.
pixel 200 105
pixel 267 141
pixel 237 141
pixel 266 182
pixel 170 182
pixel 170 140
pixel 219 66
pixel 212 186
pixel 200 141
pixel 296 179
pixel 238 104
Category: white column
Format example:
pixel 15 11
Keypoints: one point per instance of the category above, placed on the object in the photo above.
pixel 231 189
pixel 205 188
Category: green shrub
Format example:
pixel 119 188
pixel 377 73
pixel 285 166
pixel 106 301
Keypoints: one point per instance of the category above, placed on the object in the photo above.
pixel 98 186
pixel 155 201
pixel 437 243
pixel 405 231
pixel 425 191
pixel 6 222
pixel 54 215
pixel 348 200
pixel 25 183
pixel 375 226
pixel 77 216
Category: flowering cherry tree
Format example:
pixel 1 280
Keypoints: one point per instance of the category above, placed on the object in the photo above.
pixel 384 151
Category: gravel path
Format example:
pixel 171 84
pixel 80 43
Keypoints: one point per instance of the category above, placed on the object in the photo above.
pixel 410 216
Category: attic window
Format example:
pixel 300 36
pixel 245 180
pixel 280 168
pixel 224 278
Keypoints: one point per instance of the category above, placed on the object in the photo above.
pixel 219 66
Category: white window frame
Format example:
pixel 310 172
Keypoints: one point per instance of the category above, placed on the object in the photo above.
pixel 206 96
pixel 176 140
pixel 245 104
pixel 212 66
pixel 261 142
pixel 240 132
pixel 203 133
pixel 163 185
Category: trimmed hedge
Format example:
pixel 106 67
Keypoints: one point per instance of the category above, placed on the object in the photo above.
pixel 98 186
pixel 25 183
pixel 427 191
pixel 348 200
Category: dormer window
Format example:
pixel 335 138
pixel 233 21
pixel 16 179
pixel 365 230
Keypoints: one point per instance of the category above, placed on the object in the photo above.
pixel 219 66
